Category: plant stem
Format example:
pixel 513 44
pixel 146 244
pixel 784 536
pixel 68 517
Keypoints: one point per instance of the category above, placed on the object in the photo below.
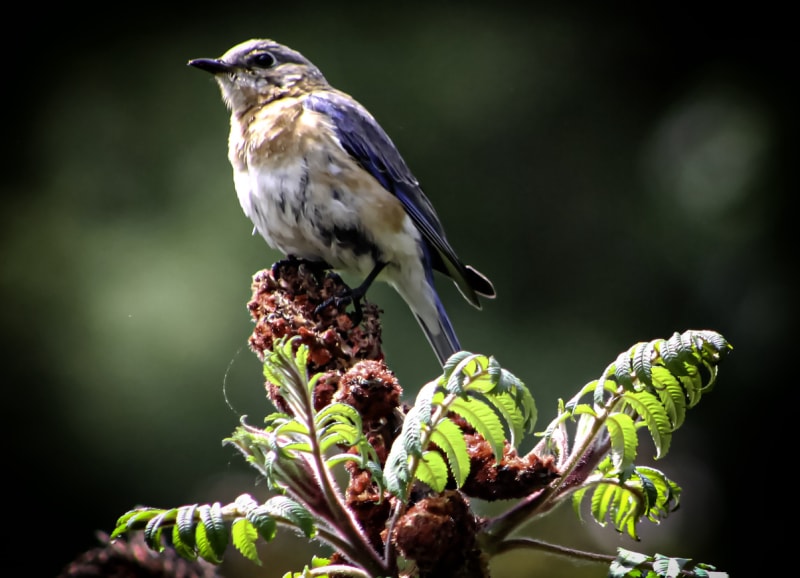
pixel 579 465
pixel 532 544
pixel 359 550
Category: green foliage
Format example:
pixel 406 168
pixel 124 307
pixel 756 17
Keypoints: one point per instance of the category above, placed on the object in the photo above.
pixel 648 388
pixel 475 388
pixel 292 447
pixel 646 492
pixel 629 564
pixel 448 438
pixel 654 383
pixel 202 529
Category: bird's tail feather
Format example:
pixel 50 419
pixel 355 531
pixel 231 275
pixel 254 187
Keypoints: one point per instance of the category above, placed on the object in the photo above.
pixel 442 337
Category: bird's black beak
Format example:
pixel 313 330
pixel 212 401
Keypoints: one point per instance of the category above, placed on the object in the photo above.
pixel 212 65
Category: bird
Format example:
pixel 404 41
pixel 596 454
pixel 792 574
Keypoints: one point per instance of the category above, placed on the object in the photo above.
pixel 322 182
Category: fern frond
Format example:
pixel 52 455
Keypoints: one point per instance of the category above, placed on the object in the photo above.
pixel 205 530
pixel 286 510
pixel 475 388
pixel 287 369
pixel 291 451
pixel 484 419
pixel 396 471
pixel 644 493
pixel 649 409
pixel 653 382
pixel 635 565
pixel 475 374
pixel 450 439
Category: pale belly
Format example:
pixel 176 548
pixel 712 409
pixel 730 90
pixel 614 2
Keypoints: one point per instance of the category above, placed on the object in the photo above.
pixel 329 217
pixel 340 221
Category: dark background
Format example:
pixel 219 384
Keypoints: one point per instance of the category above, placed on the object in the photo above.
pixel 619 175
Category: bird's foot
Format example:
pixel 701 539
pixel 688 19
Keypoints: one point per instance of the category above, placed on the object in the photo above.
pixel 354 296
pixel 343 299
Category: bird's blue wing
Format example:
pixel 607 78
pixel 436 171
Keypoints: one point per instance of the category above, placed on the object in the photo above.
pixel 364 139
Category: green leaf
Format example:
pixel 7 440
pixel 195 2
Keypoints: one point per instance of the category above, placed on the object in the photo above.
pixel 577 501
pixel 185 549
pixel 466 371
pixel 338 434
pixel 507 411
pixel 154 528
pixel 603 387
pixel 411 434
pixel 603 495
pixel 301 355
pixel 185 523
pixel 623 373
pixel 244 539
pixel 211 534
pixel 289 373
pixel 432 470
pixel 290 428
pixel 375 470
pixel 137 519
pixel 667 493
pixel 292 512
pixel 264 523
pixel 523 398
pixel 672 567
pixel 123 523
pixel 650 491
pixel 693 385
pixel 641 363
pixel 202 539
pixel 626 562
pixel 626 510
pixel 671 394
pixel 424 401
pixel 342 458
pixel 484 420
pixel 518 421
pixel 584 409
pixel 649 407
pixel 339 413
pixel 453 362
pixel 396 470
pixel 618 504
pixel 624 440
pixel 449 437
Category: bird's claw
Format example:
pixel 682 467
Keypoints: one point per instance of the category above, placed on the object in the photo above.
pixel 342 300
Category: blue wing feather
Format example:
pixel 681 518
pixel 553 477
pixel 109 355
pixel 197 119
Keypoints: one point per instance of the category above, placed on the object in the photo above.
pixel 365 140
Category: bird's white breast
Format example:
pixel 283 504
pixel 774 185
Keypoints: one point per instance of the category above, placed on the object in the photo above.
pixel 308 198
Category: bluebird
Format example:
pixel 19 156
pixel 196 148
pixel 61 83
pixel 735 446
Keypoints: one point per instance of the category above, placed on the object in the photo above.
pixel 323 182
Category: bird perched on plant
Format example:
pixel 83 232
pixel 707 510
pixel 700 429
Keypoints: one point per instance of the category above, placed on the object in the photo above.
pixel 323 182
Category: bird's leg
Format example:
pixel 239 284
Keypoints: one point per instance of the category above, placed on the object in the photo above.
pixel 354 296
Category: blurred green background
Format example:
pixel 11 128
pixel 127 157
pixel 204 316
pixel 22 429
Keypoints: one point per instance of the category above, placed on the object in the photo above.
pixel 619 175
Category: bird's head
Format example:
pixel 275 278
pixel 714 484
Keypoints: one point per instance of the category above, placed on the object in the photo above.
pixel 260 71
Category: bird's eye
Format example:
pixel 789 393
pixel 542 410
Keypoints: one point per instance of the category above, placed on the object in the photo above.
pixel 262 60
